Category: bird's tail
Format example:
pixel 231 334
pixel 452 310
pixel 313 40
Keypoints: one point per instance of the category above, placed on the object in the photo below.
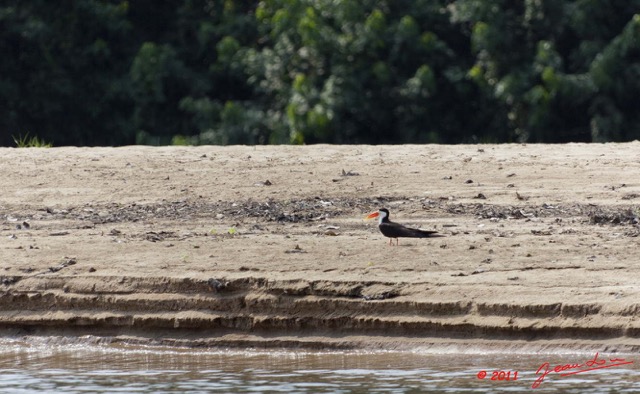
pixel 427 233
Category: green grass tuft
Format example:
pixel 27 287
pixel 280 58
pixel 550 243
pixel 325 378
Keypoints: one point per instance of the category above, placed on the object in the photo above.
pixel 24 141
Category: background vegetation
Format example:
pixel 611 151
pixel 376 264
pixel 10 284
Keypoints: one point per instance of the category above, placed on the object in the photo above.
pixel 99 72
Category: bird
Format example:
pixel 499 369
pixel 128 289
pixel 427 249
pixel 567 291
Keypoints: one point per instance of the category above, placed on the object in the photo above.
pixel 394 230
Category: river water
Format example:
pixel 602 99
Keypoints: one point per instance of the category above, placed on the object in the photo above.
pixel 50 365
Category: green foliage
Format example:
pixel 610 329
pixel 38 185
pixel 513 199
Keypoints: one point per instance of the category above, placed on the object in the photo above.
pixel 559 69
pixel 62 69
pixel 180 140
pixel 112 72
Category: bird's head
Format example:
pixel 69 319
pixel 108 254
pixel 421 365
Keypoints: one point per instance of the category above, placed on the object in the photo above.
pixel 381 214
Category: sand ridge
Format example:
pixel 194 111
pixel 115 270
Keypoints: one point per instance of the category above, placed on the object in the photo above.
pixel 267 246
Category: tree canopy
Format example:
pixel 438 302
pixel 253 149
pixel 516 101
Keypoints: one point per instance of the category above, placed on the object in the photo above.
pixel 107 72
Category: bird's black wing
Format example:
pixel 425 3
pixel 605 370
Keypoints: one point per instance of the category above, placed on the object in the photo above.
pixel 395 230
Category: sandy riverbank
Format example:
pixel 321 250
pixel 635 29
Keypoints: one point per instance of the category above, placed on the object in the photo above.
pixel 267 246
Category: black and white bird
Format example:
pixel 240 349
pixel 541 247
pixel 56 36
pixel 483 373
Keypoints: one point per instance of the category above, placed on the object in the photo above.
pixel 394 230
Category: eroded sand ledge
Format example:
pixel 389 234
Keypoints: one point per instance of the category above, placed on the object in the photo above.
pixel 266 246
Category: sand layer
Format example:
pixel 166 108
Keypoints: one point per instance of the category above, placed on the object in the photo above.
pixel 267 246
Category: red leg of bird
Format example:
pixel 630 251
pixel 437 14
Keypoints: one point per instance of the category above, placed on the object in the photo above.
pixel 397 240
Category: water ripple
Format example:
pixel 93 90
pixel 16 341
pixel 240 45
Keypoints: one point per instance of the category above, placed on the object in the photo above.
pixel 44 365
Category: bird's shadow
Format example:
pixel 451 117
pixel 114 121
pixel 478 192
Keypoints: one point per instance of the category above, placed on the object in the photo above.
pixel 417 244
pixel 405 245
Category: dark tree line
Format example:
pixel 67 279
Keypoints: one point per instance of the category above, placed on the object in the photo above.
pixel 99 72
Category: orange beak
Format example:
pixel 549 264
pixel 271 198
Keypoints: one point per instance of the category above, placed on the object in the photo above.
pixel 373 215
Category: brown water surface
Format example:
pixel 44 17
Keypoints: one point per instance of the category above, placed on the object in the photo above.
pixel 64 365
